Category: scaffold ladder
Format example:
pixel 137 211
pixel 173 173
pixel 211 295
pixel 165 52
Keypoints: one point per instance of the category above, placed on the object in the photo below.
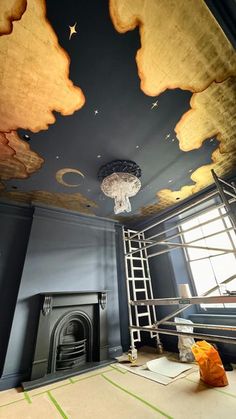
pixel 139 286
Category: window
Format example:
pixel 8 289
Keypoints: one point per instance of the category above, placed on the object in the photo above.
pixel 209 268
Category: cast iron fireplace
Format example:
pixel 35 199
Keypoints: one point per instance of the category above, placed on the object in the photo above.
pixel 71 342
pixel 71 337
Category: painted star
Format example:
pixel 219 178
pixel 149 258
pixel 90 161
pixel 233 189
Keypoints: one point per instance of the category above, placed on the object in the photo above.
pixel 72 30
pixel 155 104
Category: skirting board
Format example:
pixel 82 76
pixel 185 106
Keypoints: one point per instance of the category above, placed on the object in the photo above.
pixel 12 380
pixel 115 351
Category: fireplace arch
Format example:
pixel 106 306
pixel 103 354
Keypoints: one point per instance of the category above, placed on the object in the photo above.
pixel 71 341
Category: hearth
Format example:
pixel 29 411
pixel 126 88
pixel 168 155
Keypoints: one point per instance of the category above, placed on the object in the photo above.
pixel 71 338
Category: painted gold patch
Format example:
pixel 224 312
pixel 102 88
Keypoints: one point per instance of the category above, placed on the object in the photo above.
pixel 213 113
pixel 17 160
pixel 10 10
pixel 5 150
pixel 202 177
pixel 182 45
pixel 73 202
pixel 34 74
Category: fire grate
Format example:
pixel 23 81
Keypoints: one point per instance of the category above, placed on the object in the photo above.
pixel 70 355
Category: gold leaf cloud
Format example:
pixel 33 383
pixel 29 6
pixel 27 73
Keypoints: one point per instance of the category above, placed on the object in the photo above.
pixel 34 74
pixel 10 10
pixel 174 52
pixel 73 202
pixel 213 113
pixel 221 163
pixel 17 160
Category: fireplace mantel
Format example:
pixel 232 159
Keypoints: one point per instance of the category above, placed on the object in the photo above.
pixel 67 298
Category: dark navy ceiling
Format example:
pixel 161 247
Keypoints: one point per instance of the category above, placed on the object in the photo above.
pixel 117 121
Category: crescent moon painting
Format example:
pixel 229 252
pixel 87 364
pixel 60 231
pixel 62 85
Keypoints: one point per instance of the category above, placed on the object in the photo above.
pixel 60 174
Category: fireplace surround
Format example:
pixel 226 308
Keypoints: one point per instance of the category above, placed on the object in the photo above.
pixel 71 336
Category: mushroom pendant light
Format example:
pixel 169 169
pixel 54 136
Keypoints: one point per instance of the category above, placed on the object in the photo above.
pixel 120 181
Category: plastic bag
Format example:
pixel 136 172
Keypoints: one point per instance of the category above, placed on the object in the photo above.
pixel 211 368
pixel 184 342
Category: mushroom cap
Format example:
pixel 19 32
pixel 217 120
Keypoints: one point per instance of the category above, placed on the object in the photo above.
pixel 120 184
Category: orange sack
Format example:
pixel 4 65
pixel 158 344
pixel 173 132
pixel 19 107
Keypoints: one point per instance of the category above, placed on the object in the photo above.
pixel 211 368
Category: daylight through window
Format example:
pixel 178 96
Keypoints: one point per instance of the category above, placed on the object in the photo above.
pixel 210 268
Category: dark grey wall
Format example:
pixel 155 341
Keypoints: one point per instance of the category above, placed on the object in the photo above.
pixel 15 224
pixel 66 252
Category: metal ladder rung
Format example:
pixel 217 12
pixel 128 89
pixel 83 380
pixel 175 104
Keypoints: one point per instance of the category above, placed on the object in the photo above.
pixel 137 250
pixel 143 314
pixel 134 258
pixel 138 268
pixel 132 278
pixel 140 290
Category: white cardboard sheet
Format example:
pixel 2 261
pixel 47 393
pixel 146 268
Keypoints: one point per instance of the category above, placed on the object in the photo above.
pixel 160 370
pixel 158 378
pixel 171 369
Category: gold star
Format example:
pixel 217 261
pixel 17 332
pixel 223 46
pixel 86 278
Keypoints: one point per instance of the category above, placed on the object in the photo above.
pixel 72 30
pixel 154 105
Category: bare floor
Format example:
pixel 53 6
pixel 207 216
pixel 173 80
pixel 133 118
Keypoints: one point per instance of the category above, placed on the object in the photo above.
pixel 113 393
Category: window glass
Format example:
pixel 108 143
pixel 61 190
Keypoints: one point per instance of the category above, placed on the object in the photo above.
pixel 194 253
pixel 194 234
pixel 221 241
pixel 223 266
pixel 203 275
pixel 209 215
pixel 212 227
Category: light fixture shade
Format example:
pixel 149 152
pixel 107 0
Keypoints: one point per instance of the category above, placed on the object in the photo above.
pixel 121 186
pixel 120 181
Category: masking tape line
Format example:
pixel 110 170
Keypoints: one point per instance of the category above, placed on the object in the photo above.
pixel 57 406
pixel 15 401
pixel 72 381
pixel 54 388
pixel 91 376
pixel 137 397
pixel 122 371
pixel 27 397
